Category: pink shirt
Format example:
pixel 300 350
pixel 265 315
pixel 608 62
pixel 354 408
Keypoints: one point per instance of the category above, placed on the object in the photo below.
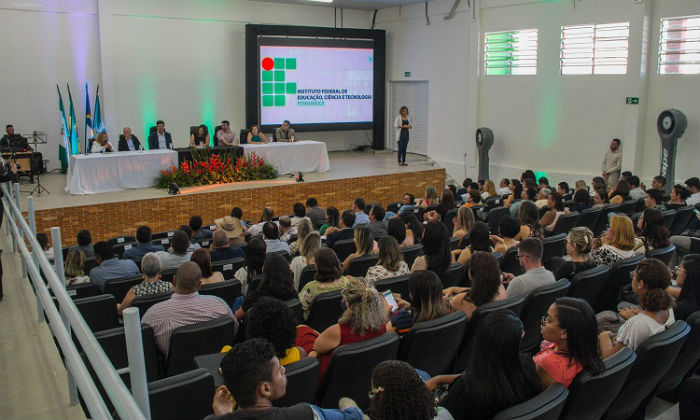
pixel 557 365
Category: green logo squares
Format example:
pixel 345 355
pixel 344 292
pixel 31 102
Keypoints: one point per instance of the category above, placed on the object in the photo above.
pixel 267 88
pixel 267 76
pixel 279 88
pixel 279 75
pixel 291 88
pixel 279 63
pixel 267 100
pixel 291 63
pixel 279 100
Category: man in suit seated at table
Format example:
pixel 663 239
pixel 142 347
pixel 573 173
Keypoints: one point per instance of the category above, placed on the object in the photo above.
pixel 128 142
pixel 160 139
pixel 284 133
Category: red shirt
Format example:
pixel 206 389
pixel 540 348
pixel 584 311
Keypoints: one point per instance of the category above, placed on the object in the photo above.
pixel 347 337
pixel 557 365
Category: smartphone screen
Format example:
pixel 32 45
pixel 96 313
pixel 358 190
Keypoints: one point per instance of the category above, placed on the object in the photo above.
pixel 390 300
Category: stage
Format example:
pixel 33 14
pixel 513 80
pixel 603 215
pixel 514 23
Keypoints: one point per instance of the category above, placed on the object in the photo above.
pixel 373 176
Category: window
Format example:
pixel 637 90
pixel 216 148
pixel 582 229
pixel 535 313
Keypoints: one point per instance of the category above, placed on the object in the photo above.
pixel 679 45
pixel 594 49
pixel 510 52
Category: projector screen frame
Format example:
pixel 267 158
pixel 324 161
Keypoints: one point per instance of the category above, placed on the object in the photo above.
pixel 377 36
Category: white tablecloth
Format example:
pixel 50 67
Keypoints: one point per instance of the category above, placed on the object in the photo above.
pixel 103 172
pixel 287 158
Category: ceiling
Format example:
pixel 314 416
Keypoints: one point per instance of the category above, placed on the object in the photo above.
pixel 351 4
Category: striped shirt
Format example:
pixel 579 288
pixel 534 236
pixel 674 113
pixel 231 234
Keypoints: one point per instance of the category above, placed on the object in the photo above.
pixel 181 310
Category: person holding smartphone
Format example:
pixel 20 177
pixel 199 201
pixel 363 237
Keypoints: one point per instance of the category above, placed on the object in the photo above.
pixel 425 302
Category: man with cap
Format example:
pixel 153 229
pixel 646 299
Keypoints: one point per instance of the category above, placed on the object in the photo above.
pixel 221 249
pixel 233 228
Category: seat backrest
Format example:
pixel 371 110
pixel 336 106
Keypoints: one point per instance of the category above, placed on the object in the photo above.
pixel 545 406
pixel 454 243
pixel 554 246
pixel 120 248
pixel 88 265
pixel 295 305
pixel 307 274
pixel 193 340
pixel 359 358
pixel 120 287
pixel 536 305
pixel 162 235
pixel 654 358
pixel 619 277
pixel 683 217
pixel 640 206
pixel 121 240
pixel 588 284
pixel 510 262
pixel 664 254
pixel 454 276
pixel 360 265
pixel 398 284
pixel 145 302
pixel 282 253
pixel 601 388
pixel 113 342
pixel 343 248
pixel 448 221
pixel 99 312
pixel 228 290
pixel 410 253
pixel 168 275
pixel 589 217
pixel 228 268
pixel 213 135
pixel 494 217
pixel 82 290
pixel 302 382
pixel 628 207
pixel 687 359
pixel 244 136
pixel 566 222
pixel 669 217
pixel 603 219
pixel 418 346
pixel 325 310
pixel 184 396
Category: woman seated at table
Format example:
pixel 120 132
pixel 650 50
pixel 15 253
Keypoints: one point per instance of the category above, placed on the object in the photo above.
pixel 255 136
pixel 200 139
pixel 101 144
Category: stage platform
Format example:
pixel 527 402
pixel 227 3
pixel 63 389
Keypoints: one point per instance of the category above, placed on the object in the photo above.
pixel 373 176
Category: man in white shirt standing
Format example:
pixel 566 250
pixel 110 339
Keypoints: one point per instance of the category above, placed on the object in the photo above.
pixel 612 163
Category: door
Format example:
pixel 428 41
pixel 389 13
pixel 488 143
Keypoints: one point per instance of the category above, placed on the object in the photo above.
pixel 413 95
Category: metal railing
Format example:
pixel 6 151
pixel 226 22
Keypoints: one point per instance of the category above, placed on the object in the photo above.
pixel 66 319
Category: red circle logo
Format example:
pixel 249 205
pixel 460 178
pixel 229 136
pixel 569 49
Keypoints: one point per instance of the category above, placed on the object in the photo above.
pixel 268 63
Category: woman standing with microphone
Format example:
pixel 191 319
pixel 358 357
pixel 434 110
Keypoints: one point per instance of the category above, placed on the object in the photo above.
pixel 402 124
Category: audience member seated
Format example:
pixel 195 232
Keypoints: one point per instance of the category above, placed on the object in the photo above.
pixel 654 314
pixel 329 277
pixel 151 284
pixel 563 189
pixel 160 139
pixel 390 262
pixel 571 343
pixel 463 222
pixel 332 220
pixel 654 199
pixel 303 229
pixel 73 268
pixel 508 229
pixel 202 258
pixel 191 246
pixel 347 221
pixel 267 215
pixel 128 142
pixel 580 185
pixel 255 136
pixel 556 209
pixel 43 240
pixel 200 138
pixel 620 193
pixel 144 245
pixel 473 198
pixel 599 183
pixel 254 378
pixel 299 214
pixel 528 194
pixel 309 245
pixel 693 186
pixel 376 221
pixel 414 228
pixel 465 186
pixel 530 256
pixel 271 235
pixel 358 207
pixel 654 233
pixel 542 183
pixel 101 144
pixel 486 286
pixel 658 183
pixel 529 219
pixel 479 240
pixel 364 245
pixel 600 198
pixel 497 375
pixel 271 319
pixel 110 266
pixel 179 244
pixel 84 240
pixel 199 233
pixel 489 190
pixel 363 319
pixel 277 282
pixel 636 193
pixel 447 203
pixel 679 194
pixel 436 250
pixel 408 204
pixel 315 213
pixel 225 135
pixel 579 242
pixel 237 213
pixel 286 228
pixel 185 307
pixel 616 244
pixel 424 302
pixel 504 187
pixel 221 249
pixel 397 230
pixel 582 200
pixel 233 227
pixel 255 254
pixel 430 199
pixel 687 289
pixel 542 197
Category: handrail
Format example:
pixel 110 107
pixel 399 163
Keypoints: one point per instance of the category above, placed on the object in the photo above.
pixel 119 395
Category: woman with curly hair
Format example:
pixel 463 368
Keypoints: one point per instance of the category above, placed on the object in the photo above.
pixel 398 393
pixel 679 194
pixel 273 320
pixel 363 319
pixel 654 233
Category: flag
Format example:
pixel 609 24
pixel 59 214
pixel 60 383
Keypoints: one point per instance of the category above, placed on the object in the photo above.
pixel 97 123
pixel 88 120
pixel 63 148
pixel 72 125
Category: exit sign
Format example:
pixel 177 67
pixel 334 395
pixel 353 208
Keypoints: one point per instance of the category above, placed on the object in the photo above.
pixel 407 74
pixel 632 100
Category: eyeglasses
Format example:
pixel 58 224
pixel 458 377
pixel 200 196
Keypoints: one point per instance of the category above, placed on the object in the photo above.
pixel 545 320
pixel 678 269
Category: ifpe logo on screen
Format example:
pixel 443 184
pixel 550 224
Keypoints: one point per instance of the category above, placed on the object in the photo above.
pixel 274 84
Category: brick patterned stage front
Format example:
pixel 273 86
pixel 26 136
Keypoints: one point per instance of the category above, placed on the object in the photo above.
pixel 108 220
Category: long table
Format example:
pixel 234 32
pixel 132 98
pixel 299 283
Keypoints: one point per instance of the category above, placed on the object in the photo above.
pixel 287 158
pixel 104 172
